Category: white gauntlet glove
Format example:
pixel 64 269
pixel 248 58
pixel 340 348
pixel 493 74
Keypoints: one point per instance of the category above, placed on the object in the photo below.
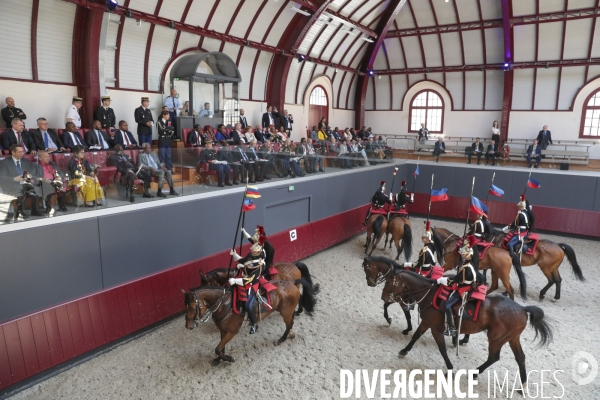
pixel 412 197
pixel 236 281
pixel 235 255
pixel 505 229
pixel 442 281
pixel 246 234
pixel 240 266
pixel 407 265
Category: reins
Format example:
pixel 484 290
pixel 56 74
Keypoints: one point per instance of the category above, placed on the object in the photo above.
pixel 209 310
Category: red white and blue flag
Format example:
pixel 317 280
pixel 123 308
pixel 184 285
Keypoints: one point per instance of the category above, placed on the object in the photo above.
pixel 439 195
pixel 532 183
pixel 496 191
pixel 478 207
pixel 248 205
pixel 252 192
pixel 416 171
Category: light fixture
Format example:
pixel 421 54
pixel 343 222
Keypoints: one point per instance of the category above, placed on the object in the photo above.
pixel 139 22
pixel 426 72
pixel 171 24
pixel 379 76
pixel 370 72
pixel 299 11
pixel 349 32
pixel 301 57
pixel 481 69
pixel 506 66
pixel 247 43
pixel 367 39
pixel 129 14
pixel 111 4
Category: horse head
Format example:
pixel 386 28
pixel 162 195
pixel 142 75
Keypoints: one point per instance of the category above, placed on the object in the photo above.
pixel 371 271
pixel 193 308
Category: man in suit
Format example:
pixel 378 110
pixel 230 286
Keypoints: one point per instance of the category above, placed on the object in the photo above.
pixel 477 149
pixel 71 138
pixel 492 153
pixel 166 134
pixel 105 114
pixel 267 152
pixel 263 164
pixel 144 119
pixel 240 156
pixel 12 170
pixel 243 120
pixel 194 137
pixel 10 111
pixel 237 133
pixel 226 156
pixel 97 138
pixel 173 105
pixel 313 158
pixel 286 121
pixel 270 118
pixel 534 151
pixel 46 139
pixel 18 135
pixel 340 151
pixel 123 137
pixel 126 167
pixel 423 134
pixel 150 162
pixel 210 156
pixel 544 138
pixel 260 135
pixel 440 148
pixel 206 112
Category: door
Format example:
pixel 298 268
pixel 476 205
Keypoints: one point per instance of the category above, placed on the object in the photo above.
pixel 318 106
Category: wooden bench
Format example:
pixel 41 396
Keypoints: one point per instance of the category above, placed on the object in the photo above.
pixel 552 156
pixel 451 151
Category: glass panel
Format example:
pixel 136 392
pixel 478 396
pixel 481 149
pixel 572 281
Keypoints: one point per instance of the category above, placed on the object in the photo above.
pixel 434 100
pixel 231 112
pixel 318 97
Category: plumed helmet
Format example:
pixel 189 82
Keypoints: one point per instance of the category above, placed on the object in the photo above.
pixel 522 204
pixel 403 183
pixel 466 251
pixel 256 248
pixel 428 233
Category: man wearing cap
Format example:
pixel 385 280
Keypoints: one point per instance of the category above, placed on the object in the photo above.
pixel 378 200
pixel 105 114
pixel 144 119
pixel 173 104
pixel 10 111
pixel 479 229
pixel 519 227
pixel 209 156
pixel 72 114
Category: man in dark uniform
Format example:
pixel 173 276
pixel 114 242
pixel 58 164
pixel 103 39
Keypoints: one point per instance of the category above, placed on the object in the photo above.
pixel 466 277
pixel 166 134
pixel 209 156
pixel 378 200
pixel 226 156
pixel 263 165
pixel 268 248
pixel 105 114
pixel 402 198
pixel 10 112
pixel 520 228
pixel 126 167
pixel 251 268
pixel 427 259
pixel 143 117
pixel 479 229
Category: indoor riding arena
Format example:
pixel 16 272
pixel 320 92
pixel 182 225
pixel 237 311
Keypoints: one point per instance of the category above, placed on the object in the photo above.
pixel 309 199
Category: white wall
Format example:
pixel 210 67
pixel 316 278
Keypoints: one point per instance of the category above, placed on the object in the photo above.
pixel 39 100
pixel 125 102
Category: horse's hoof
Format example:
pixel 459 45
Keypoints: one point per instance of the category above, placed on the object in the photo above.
pixel 228 359
pixel 216 361
pixel 463 342
pixel 554 300
pixel 291 335
pixel 389 321
pixel 403 352
pixel 542 297
pixel 406 332
pixel 279 341
pixel 505 294
pixel 296 313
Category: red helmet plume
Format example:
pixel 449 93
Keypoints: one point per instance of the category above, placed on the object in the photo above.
pixel 403 183
pixel 382 183
pixel 472 239
pixel 522 197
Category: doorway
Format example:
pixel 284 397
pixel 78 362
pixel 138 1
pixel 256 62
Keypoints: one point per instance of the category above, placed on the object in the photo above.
pixel 318 106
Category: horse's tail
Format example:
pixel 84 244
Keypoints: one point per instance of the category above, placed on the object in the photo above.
pixel 570 253
pixel 377 226
pixel 407 241
pixel 306 276
pixel 438 243
pixel 308 299
pixel 541 325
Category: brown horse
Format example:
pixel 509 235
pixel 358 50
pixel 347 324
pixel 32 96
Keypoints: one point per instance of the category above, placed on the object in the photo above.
pixel 497 260
pixel 376 225
pixel 287 272
pixel 501 318
pixel 401 230
pixel 205 301
pixel 376 271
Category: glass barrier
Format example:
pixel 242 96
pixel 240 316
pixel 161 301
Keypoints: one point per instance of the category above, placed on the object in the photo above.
pixel 44 185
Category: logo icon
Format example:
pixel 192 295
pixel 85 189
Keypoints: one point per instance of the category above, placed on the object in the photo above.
pixel 585 368
pixel 293 235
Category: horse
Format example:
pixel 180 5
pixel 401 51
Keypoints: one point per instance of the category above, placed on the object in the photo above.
pixel 202 302
pixel 503 319
pixel 400 229
pixel 497 260
pixel 287 272
pixel 376 270
pixel 376 225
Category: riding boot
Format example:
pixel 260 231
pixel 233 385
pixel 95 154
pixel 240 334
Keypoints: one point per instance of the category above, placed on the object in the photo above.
pixel 367 217
pixel 252 318
pixel 451 330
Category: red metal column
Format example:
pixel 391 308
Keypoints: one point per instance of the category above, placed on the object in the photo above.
pixel 385 21
pixel 508 75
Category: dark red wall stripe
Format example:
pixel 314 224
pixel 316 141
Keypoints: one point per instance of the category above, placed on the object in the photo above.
pixel 34 22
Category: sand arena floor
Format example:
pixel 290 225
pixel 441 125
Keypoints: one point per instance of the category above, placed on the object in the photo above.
pixel 348 331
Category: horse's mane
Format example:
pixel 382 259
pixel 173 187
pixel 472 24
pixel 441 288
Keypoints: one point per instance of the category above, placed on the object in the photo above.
pixel 416 276
pixel 387 261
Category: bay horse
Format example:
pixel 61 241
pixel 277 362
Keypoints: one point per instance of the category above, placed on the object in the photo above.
pixel 376 270
pixel 500 317
pixel 497 260
pixel 216 301
pixel 287 272
pixel 401 230
pixel 376 225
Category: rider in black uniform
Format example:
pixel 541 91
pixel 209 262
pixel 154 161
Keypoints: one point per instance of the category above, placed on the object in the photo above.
pixel 378 200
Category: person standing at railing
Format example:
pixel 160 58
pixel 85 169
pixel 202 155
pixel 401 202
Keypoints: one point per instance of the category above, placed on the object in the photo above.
pixel 423 134
pixel 544 137
pixel 496 132
pixel 440 148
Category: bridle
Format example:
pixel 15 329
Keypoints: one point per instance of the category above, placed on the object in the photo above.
pixel 408 293
pixel 209 310
pixel 380 277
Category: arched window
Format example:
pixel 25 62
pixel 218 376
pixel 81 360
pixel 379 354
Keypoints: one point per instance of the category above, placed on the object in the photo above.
pixel 231 112
pixel 590 118
pixel 427 107
pixel 318 97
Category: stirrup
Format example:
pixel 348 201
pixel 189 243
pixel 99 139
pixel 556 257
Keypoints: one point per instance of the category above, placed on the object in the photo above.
pixel 409 307
pixel 254 329
pixel 450 332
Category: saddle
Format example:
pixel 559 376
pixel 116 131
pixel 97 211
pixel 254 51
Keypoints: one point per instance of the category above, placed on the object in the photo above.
pixel 397 213
pixel 475 298
pixel 482 247
pixel 240 294
pixel 379 211
pixel 530 241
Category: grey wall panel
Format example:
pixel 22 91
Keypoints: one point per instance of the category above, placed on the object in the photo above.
pixel 564 191
pixel 597 196
pixel 287 215
pixel 444 178
pixel 48 265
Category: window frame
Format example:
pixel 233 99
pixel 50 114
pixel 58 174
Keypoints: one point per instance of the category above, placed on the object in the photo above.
pixel 235 115
pixel 584 110
pixel 326 96
pixel 426 108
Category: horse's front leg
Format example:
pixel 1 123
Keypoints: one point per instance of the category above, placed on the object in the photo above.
pixel 408 322
pixel 220 349
pixel 385 312
pixel 420 331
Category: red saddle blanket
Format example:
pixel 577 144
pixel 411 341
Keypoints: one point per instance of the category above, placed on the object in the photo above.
pixel 240 293
pixel 399 212
pixel 434 273
pixel 482 245
pixel 471 311
pixel 381 211
pixel 530 241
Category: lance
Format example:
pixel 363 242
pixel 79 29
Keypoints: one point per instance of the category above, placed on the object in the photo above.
pixel 530 171
pixel 469 210
pixel 237 228
pixel 414 181
pixel 488 193
pixel 429 209
pixel 392 187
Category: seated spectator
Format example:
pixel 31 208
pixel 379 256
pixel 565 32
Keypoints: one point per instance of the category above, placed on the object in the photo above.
pixel 370 131
pixel 194 137
pixel 374 150
pixel 123 137
pixel 268 153
pixel 51 179
pixel 354 133
pixel 505 151
pixel 440 148
pixel 347 134
pixel 222 135
pixel 237 134
pixel 226 155
pixel 287 153
pixel 335 134
pixel 321 136
pixel 186 111
pixel 10 112
pixel 492 153
pixel 18 135
pixel 534 152
pixel 71 138
pixel 97 138
pixel 240 156
pixel 13 171
pixel 206 112
pixel 209 155
pixel 386 149
pixel 302 152
pixel 341 152
pixel 249 135
pixel 363 134
pixel 476 149
pixel 126 167
pixel 314 158
pixel 423 135
pixel 314 135
pixel 84 177
pixel 208 134
pixel 360 150
pixel 149 162
pixel 260 134
pixel 46 139
pixel 281 134
pixel 263 165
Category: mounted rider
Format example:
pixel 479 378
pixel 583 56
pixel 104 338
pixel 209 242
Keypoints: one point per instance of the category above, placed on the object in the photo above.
pixel 519 228
pixel 250 269
pixel 378 201
pixel 269 250
pixel 480 229
pixel 461 283
pixel 427 260
pixel 402 198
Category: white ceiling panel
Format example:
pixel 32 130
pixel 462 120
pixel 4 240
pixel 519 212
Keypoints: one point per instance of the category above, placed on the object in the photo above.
pixel 399 87
pixel 494 45
pixel 362 11
pixel 311 35
pixel 433 52
pixel 304 81
pixel 245 67
pixel 524 42
pixel 359 56
pixel 468 10
pixel 451 48
pixel 371 18
pixel 579 4
pixel 382 87
pixel 454 84
pixel 473 43
pixel 550 45
pixel 351 7
pixel 345 84
pixel 494 89
pixel 187 40
pixel 173 9
pixel 352 94
pixel 210 44
pixel 394 52
pixel 132 54
pixel 326 32
pixel 436 77
pixel 571 80
pixel 551 6
pixel 110 54
pixel 333 44
pixel 244 18
pixel 265 18
pixel 161 50
pixel 444 12
pixel 546 89
pixel 380 60
pixel 370 98
pixel 336 4
pixel 260 75
pixel 16 17
pixel 404 20
pixel 335 82
pixel 413 47
pixel 596 40
pixel 344 45
pixel 55 41
pixel 524 7
pixel 147 6
pixel 474 90
pixel 593 72
pixel 199 11
pixel 278 28
pixel 423 13
pixel 414 78
pixel 491 9
pixel 577 38
pixel 522 89
pixel 291 82
pixel 223 14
